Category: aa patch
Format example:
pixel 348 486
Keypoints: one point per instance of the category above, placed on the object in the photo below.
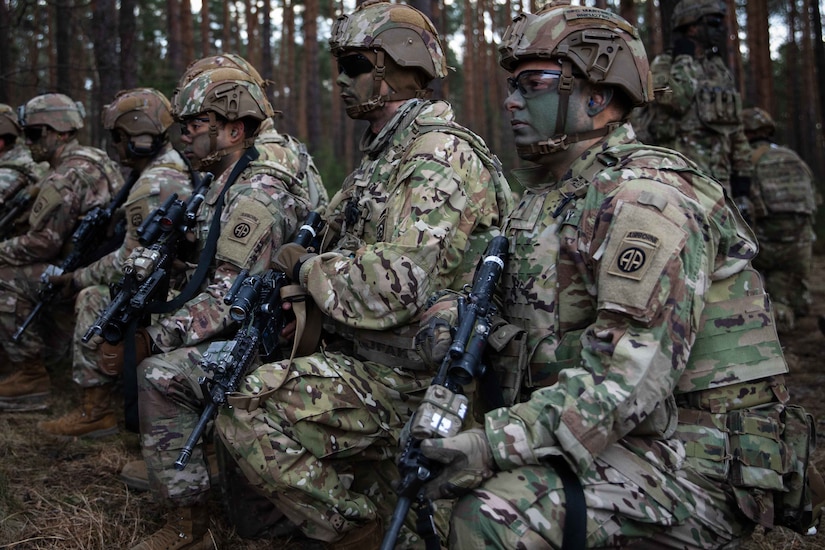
pixel 248 223
pixel 636 251
pixel 48 200
pixel 135 214
pixel 641 244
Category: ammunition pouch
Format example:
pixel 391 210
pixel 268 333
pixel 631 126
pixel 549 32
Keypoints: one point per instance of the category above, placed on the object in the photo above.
pixel 508 358
pixel 762 452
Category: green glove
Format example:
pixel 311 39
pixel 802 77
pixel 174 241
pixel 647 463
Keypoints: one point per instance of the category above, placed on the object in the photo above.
pixel 467 461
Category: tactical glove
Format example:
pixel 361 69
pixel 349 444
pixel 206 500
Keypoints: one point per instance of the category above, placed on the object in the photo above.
pixel 434 336
pixel 467 460
pixel 289 259
pixel 64 283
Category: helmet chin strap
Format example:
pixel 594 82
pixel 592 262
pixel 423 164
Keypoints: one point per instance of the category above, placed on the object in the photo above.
pixel 378 100
pixel 215 155
pixel 561 141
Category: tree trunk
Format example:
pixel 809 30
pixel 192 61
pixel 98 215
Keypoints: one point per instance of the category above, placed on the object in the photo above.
pixel 313 84
pixel 760 89
pixel 206 34
pixel 187 34
pixel 127 29
pixel 176 64
pixel 63 47
pixel 104 19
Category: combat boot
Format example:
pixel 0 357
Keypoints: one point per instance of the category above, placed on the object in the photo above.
pixel 186 528
pixel 136 477
pixel 364 537
pixel 94 418
pixel 26 389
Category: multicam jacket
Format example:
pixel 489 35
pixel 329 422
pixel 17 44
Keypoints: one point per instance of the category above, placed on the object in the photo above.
pixel 413 218
pixel 263 208
pixel 82 178
pixel 18 170
pixel 708 112
pixel 619 273
pixel 165 174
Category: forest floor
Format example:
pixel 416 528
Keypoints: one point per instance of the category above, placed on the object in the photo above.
pixel 67 495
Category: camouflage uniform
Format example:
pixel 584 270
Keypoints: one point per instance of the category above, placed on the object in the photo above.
pixel 708 132
pixel 166 174
pixel 285 149
pixel 702 102
pixel 80 179
pixel 408 220
pixel 423 202
pixel 170 396
pixel 784 205
pixel 17 169
pixel 263 208
pixel 650 369
pixel 586 336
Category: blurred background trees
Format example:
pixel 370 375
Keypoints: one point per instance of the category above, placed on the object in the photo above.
pixel 90 49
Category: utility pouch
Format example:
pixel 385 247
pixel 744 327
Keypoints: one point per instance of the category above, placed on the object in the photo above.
pixel 793 507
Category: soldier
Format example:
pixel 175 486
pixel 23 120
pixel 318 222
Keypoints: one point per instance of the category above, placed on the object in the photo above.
pixel 702 111
pixel 411 219
pixel 784 204
pixel 282 148
pixel 80 178
pixel 252 207
pixel 138 121
pixel 629 275
pixel 17 169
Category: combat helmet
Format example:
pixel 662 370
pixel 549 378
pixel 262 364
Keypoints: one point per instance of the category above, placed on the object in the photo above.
pixel 227 92
pixel 398 32
pixel 58 111
pixel 756 119
pixel 8 121
pixel 589 43
pixel 143 115
pixel 688 12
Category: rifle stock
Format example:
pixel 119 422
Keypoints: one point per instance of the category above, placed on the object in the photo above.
pixel 444 406
pixel 255 301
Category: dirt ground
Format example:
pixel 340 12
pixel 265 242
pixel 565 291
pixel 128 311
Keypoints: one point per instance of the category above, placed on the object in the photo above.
pixel 67 495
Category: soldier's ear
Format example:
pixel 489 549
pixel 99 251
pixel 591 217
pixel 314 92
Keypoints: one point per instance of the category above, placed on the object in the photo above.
pixel 599 100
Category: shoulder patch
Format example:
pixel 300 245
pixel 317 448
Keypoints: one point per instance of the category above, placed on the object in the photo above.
pixel 248 225
pixel 642 243
pixel 48 200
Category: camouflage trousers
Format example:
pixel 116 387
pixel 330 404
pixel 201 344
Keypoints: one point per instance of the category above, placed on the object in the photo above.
pixel 50 330
pixel 526 507
pixel 170 402
pixel 85 356
pixel 318 438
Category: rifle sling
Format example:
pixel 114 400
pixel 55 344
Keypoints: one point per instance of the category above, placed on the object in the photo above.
pixel 307 321
pixel 208 252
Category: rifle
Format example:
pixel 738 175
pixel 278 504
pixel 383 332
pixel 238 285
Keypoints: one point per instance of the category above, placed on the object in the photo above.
pixel 146 272
pixel 256 302
pixel 23 197
pixel 444 406
pixel 86 240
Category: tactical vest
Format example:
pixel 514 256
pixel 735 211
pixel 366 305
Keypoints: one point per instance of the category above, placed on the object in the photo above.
pixel 733 416
pixel 397 347
pixel 784 181
pixel 309 178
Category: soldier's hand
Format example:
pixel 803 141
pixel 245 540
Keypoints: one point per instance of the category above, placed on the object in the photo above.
pixel 63 283
pixel 467 460
pixel 434 336
pixel 289 259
